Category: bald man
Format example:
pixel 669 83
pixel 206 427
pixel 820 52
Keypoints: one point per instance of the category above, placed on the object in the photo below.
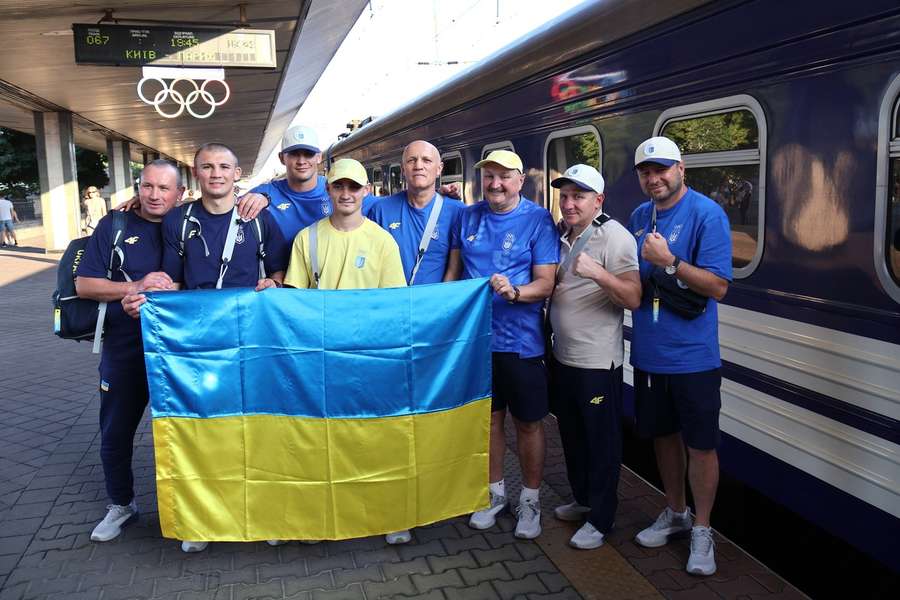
pixel 430 258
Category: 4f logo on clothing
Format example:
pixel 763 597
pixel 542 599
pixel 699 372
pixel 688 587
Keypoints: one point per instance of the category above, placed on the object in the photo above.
pixel 638 233
pixel 132 240
pixel 674 235
pixel 508 242
pixel 239 238
pixel 596 399
pixel 471 238
pixel 193 233
pixel 394 225
pixel 283 206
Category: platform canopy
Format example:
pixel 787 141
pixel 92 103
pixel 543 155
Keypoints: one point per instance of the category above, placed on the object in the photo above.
pixel 39 73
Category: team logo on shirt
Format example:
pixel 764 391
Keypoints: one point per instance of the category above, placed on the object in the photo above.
pixel 471 238
pixel 132 240
pixel 508 242
pixel 193 233
pixel 283 206
pixel 435 235
pixel 674 235
pixel 639 233
pixel 239 238
pixel 360 262
pixel 597 400
pixel 394 225
pixel 326 208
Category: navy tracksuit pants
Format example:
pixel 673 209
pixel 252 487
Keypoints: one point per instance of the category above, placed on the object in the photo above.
pixel 588 406
pixel 123 398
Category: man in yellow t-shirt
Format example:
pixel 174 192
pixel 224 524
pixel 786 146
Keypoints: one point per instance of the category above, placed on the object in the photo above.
pixel 352 251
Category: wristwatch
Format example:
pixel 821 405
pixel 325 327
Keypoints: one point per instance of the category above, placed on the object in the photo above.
pixel 516 291
pixel 671 269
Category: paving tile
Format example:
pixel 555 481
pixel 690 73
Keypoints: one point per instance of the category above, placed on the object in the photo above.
pixel 482 591
pixel 295 585
pixel 503 553
pixel 344 577
pixel 351 592
pixel 272 589
pixel 426 583
pixel 410 567
pixel 439 564
pixel 521 587
pixel 393 587
pixel 327 563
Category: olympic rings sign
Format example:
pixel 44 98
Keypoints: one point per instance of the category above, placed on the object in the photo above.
pixel 183 101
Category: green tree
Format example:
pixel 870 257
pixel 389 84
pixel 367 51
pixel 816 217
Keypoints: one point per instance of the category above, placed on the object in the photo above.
pixel 18 164
pixel 92 168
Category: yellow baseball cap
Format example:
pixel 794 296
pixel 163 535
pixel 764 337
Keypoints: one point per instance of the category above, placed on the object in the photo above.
pixel 347 168
pixel 504 158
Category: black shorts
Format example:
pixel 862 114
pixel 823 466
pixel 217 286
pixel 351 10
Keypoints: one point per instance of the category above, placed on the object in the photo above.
pixel 520 384
pixel 685 402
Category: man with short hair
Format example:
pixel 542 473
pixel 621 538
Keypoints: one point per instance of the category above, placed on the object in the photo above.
pixel 685 241
pixel 407 214
pixel 514 242
pixel 7 230
pixel 123 379
pixel 197 237
pixel 597 279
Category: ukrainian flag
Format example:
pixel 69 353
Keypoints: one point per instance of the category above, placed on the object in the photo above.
pixel 318 414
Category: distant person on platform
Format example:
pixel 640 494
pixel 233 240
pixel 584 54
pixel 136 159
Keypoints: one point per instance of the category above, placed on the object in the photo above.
pixel 123 379
pixel 94 208
pixel 596 280
pixel 420 219
pixel 7 229
pixel 684 239
pixel 513 241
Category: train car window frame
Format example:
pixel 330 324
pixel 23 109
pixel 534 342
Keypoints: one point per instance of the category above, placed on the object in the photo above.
pixel 564 133
pixel 377 180
pixel 504 145
pixel 399 168
pixel 460 178
pixel 888 150
pixel 729 157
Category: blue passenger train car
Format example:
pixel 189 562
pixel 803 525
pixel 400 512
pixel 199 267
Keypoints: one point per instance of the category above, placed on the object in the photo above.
pixel 788 115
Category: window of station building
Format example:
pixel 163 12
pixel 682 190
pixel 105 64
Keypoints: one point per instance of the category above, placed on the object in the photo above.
pixel 579 145
pixel 453 172
pixel 723 146
pixel 887 185
pixel 396 180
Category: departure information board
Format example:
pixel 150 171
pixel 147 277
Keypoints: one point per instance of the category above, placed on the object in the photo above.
pixel 138 45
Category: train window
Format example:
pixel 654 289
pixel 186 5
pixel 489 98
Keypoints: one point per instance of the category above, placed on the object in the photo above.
pixel 396 181
pixel 723 147
pixel 504 145
pixel 453 171
pixel 887 200
pixel 377 183
pixel 579 145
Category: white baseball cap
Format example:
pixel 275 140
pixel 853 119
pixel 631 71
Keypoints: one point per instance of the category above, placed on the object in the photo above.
pixel 659 150
pixel 584 176
pixel 300 138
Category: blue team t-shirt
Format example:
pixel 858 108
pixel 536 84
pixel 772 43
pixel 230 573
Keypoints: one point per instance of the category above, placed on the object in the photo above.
pixel 197 270
pixel 697 231
pixel 509 244
pixel 142 247
pixel 406 224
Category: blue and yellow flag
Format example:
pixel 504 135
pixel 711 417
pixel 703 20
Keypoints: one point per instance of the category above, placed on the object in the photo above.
pixel 314 414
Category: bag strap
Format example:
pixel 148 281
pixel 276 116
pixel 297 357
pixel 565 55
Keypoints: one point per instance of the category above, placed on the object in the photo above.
pixel 261 234
pixel 119 221
pixel 185 217
pixel 581 242
pixel 314 252
pixel 228 250
pixel 426 235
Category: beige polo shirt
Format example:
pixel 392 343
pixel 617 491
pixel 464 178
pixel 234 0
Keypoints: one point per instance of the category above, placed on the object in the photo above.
pixel 587 326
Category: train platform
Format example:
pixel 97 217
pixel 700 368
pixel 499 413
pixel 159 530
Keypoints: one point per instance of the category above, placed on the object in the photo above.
pixel 52 495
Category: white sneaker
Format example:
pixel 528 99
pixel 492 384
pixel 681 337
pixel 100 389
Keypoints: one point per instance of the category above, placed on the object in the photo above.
pixel 667 523
pixel 116 518
pixel 398 537
pixel 276 542
pixel 528 513
pixel 487 517
pixel 571 512
pixel 191 547
pixel 703 552
pixel 586 538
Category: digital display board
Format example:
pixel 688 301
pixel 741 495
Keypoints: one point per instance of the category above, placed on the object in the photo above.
pixel 138 45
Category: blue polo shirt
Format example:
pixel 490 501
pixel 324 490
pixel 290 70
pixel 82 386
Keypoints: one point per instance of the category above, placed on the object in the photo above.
pixel 406 224
pixel 197 270
pixel 509 244
pixel 697 231
pixel 142 247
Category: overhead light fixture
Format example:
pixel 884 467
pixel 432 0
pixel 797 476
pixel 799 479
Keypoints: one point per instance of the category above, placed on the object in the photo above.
pixel 59 33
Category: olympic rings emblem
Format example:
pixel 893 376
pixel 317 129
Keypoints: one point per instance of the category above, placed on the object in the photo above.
pixel 184 101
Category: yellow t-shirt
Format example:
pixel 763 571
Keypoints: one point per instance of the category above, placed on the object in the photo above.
pixel 367 257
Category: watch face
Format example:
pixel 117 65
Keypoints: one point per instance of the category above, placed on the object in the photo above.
pixel 670 270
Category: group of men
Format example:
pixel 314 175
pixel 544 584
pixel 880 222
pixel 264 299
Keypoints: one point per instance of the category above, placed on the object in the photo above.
pixel 578 277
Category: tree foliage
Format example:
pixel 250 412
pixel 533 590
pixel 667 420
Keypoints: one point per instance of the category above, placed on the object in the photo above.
pixel 735 130
pixel 18 164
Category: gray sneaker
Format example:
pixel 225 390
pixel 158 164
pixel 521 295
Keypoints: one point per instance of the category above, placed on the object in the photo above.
pixel 191 547
pixel 702 560
pixel 528 526
pixel 667 523
pixel 487 517
pixel 571 512
pixel 398 537
pixel 116 518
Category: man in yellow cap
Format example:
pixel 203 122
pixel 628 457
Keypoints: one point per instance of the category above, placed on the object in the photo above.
pixel 351 252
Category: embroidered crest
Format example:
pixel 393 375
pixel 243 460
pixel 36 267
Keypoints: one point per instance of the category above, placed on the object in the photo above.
pixel 239 238
pixel 326 208
pixel 435 235
pixel 674 235
pixel 508 240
